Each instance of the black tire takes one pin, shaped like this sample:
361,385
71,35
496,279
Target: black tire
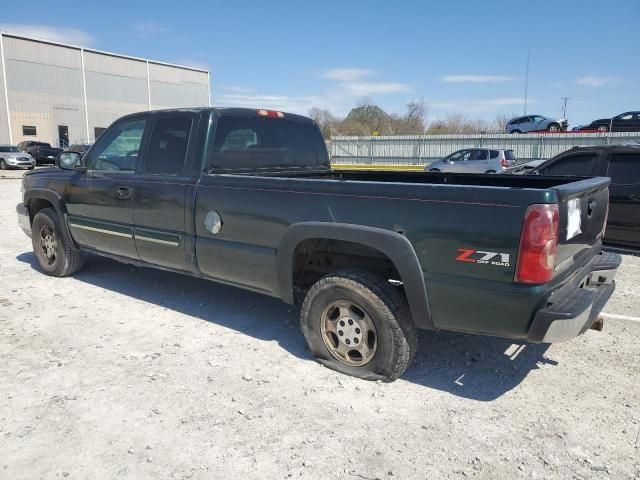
395,343
434,170
554,127
515,131
603,127
31,168
3,164
56,256
490,171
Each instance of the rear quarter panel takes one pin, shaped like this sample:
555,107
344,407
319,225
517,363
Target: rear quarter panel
439,221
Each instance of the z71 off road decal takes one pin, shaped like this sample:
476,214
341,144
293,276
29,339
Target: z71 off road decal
481,257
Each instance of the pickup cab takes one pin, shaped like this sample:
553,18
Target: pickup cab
247,198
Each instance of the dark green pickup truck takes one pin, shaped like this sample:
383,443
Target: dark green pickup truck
247,198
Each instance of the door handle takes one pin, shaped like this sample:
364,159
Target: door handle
123,192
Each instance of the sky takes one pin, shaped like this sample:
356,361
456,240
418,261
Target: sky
459,56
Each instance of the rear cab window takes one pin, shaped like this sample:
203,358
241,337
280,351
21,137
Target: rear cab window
580,165
253,143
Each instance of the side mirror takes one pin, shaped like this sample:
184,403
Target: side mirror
68,160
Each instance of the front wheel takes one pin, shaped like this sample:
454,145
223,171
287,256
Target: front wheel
56,256
490,171
603,128
515,131
360,325
434,170
554,127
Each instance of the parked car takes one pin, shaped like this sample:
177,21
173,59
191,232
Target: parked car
248,198
41,152
474,160
80,148
524,168
622,164
625,122
536,123
12,157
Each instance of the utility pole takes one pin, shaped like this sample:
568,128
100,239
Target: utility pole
526,81
564,106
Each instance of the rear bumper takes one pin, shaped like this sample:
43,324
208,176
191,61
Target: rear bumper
572,309
23,219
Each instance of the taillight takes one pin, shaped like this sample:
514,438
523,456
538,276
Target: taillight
270,113
538,244
504,162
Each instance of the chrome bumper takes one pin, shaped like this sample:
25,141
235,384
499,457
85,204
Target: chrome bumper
23,219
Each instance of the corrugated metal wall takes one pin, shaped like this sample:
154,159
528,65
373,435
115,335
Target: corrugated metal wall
423,149
44,86
45,89
174,87
115,87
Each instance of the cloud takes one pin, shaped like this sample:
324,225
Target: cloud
147,29
476,78
368,88
478,106
353,81
347,74
72,36
287,103
340,96
235,89
593,81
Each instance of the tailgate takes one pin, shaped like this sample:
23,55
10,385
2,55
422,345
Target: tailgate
583,208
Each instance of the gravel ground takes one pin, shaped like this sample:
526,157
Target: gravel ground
125,372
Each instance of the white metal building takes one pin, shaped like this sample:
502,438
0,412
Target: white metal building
59,93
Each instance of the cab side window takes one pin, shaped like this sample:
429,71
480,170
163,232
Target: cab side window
624,169
573,165
167,150
478,155
118,148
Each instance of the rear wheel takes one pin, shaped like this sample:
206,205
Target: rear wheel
516,131
360,325
553,127
434,170
603,128
56,256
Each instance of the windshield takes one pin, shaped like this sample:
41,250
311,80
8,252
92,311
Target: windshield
9,149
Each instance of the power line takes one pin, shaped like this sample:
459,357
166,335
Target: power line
564,106
526,81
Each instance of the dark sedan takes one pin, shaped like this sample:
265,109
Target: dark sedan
625,122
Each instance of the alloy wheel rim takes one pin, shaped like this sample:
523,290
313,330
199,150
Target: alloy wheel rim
48,244
349,333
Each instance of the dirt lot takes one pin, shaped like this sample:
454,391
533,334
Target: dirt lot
124,372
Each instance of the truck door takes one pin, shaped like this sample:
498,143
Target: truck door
99,201
161,194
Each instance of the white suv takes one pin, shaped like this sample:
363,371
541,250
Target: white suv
475,160
536,123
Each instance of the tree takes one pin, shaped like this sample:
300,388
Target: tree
325,119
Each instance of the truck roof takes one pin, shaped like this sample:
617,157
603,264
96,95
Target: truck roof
229,112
